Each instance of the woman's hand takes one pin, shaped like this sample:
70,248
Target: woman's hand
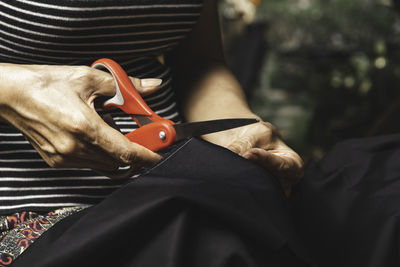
262,144
53,106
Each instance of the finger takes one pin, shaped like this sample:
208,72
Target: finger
121,149
273,163
95,140
285,164
115,144
104,85
91,158
241,146
146,86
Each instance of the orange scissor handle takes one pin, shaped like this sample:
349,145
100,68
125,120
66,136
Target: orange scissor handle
155,136
126,96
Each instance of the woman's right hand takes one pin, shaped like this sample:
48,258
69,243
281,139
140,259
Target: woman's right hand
53,106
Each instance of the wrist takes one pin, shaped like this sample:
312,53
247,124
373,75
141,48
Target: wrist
5,91
218,113
11,80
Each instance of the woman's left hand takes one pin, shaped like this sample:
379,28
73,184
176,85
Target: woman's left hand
262,143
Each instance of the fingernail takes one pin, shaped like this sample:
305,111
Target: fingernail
150,82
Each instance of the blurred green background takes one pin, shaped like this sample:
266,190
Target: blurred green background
320,70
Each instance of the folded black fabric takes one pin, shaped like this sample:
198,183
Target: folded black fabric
201,206
348,205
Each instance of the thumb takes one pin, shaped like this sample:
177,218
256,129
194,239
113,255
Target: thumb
146,86
103,84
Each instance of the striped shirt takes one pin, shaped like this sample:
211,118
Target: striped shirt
77,32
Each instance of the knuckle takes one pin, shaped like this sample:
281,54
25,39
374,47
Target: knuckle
81,127
76,126
128,157
241,145
67,147
236,149
83,76
97,76
271,129
47,149
84,71
57,161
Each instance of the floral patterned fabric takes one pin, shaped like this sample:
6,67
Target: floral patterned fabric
20,230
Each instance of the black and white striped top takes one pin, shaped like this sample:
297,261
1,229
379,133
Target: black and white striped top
77,32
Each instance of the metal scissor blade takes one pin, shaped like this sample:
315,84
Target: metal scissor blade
184,130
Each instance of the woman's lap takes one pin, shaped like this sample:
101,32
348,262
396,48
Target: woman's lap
202,206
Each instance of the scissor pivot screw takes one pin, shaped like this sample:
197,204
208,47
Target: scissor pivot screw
162,135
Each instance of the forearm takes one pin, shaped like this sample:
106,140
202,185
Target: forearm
207,90
216,94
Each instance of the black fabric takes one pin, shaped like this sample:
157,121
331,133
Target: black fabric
201,206
347,207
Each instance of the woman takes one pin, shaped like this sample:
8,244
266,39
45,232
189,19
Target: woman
48,94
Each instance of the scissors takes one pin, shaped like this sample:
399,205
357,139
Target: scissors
155,132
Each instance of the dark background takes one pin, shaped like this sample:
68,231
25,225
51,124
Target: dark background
320,70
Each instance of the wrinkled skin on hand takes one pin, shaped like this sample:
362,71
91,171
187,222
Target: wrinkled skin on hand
53,106
261,143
